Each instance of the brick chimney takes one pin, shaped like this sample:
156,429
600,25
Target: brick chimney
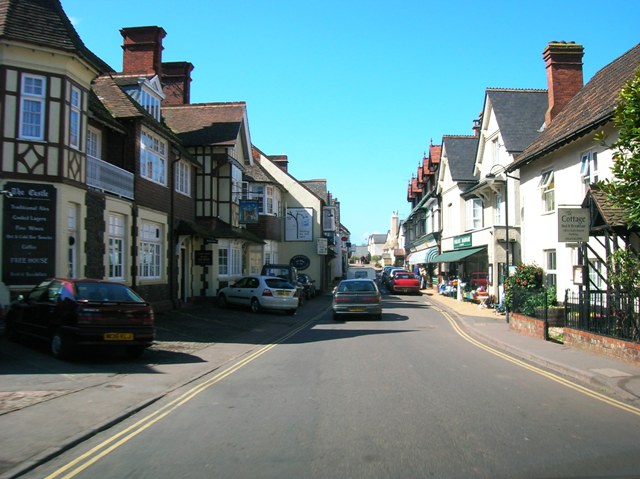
142,48
564,74
176,82
281,161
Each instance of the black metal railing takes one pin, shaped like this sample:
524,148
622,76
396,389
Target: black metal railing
613,314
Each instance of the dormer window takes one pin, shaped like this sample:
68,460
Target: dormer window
148,94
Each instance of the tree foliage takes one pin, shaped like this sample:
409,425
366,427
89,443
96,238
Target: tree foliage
624,188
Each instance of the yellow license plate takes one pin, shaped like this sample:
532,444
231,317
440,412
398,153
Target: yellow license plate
282,293
118,336
356,310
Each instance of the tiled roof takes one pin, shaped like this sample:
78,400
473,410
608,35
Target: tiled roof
101,114
44,22
317,187
461,152
119,104
520,115
604,213
122,106
589,109
206,123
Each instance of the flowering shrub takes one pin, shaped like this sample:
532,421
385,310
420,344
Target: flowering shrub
526,281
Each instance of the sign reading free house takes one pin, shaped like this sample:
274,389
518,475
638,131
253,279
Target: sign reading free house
573,225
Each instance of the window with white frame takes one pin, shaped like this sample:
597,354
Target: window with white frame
589,167
94,143
495,151
183,178
153,158
236,184
497,209
546,186
550,267
75,106
223,261
73,240
116,234
236,260
474,213
269,199
150,250
255,192
32,107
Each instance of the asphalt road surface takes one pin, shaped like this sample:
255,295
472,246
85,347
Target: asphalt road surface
406,397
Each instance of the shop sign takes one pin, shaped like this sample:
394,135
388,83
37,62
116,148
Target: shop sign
203,258
462,241
29,227
573,225
323,246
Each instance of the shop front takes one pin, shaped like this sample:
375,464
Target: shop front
464,272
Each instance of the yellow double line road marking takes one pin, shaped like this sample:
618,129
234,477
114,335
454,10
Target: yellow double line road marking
541,372
92,456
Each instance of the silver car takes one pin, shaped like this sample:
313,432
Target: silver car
261,292
357,297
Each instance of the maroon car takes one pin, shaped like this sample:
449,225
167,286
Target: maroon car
82,312
404,282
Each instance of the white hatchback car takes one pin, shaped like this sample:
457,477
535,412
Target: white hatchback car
261,292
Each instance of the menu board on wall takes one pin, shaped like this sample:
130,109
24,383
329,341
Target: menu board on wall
29,226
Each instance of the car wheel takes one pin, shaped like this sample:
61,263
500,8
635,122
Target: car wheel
378,316
255,305
60,346
291,312
222,300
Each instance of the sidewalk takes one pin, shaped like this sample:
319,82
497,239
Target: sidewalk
619,378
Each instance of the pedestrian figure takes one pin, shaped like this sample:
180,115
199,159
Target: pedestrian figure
423,277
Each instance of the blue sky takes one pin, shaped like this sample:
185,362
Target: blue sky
354,91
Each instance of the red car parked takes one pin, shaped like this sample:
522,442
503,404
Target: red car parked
404,282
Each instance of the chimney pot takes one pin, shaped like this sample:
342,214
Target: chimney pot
564,74
142,50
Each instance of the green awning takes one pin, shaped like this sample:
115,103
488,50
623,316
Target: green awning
456,255
423,256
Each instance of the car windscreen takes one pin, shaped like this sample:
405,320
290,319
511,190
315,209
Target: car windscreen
277,283
107,292
356,286
405,276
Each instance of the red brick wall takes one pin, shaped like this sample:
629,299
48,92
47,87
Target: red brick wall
526,325
604,345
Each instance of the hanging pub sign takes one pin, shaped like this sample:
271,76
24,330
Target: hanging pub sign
329,218
29,233
573,225
249,211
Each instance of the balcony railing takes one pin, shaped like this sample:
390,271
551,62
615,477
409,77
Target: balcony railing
106,177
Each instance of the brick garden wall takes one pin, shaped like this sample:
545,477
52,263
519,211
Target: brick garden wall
615,348
526,325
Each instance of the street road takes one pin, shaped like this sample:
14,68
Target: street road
408,396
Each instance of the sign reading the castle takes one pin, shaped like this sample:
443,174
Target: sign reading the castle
573,225
29,226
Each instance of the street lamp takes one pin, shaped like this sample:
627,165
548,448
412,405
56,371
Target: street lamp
502,170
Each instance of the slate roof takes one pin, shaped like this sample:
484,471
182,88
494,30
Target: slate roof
520,115
257,173
589,109
317,187
461,152
44,23
206,123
